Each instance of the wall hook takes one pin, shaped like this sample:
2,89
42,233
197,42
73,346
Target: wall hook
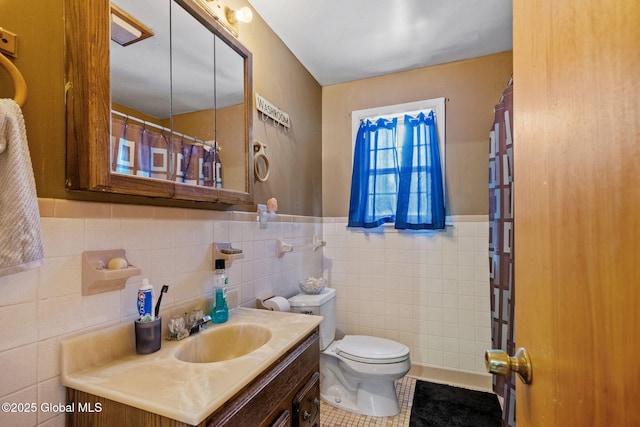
317,243
282,248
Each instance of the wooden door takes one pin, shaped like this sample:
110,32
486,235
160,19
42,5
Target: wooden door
577,207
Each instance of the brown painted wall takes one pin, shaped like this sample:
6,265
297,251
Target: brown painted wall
472,88
296,156
41,61
311,164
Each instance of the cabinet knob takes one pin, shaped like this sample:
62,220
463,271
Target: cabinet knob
316,406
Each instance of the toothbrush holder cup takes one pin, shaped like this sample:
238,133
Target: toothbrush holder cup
148,336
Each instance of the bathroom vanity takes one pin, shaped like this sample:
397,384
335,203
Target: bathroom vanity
276,384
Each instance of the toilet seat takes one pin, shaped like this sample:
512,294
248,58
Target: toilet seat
374,350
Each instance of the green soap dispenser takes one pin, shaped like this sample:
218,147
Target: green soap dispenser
220,310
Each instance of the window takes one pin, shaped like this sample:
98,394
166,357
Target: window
398,166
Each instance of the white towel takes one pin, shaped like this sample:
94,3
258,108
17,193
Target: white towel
20,237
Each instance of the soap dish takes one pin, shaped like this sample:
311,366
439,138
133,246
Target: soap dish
231,251
178,336
97,278
224,250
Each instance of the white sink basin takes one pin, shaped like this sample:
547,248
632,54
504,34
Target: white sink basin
223,343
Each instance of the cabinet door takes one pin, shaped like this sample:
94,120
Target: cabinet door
306,404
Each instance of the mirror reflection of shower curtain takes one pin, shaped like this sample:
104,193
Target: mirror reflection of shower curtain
206,176
501,245
127,151
118,127
158,143
152,153
143,156
130,150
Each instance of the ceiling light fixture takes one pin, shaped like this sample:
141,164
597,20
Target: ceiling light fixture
226,16
243,15
125,29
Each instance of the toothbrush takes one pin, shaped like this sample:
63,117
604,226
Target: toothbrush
164,290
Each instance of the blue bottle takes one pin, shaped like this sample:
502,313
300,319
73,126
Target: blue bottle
220,310
220,313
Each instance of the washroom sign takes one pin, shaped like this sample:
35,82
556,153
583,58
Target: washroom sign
268,109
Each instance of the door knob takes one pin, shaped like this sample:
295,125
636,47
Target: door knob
500,363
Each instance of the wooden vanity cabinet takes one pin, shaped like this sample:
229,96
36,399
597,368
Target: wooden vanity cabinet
285,394
264,401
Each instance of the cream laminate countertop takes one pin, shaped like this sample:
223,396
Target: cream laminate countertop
104,363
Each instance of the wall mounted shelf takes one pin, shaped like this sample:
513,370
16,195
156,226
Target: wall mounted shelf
224,250
97,278
282,248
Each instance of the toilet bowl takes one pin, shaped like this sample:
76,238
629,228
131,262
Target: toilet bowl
358,372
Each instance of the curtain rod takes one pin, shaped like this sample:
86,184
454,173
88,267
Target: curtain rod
398,115
164,129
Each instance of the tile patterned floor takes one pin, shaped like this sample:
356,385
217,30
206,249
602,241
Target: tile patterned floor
333,417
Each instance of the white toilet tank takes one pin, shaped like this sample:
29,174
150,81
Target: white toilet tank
322,304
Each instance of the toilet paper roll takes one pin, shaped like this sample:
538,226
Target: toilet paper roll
278,304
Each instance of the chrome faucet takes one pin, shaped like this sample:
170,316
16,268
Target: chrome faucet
191,323
199,324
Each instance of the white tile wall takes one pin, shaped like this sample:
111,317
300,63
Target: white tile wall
41,307
428,290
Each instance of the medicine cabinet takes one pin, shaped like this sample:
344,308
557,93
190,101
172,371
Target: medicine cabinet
151,118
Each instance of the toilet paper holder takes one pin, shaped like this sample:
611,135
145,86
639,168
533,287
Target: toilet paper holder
278,304
260,303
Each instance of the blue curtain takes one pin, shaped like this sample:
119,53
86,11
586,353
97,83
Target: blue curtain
420,192
374,182
412,195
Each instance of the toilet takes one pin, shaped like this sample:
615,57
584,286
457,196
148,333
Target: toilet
358,372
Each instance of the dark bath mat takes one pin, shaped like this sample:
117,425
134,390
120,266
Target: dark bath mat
441,405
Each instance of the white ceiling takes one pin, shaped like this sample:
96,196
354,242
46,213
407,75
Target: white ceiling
344,40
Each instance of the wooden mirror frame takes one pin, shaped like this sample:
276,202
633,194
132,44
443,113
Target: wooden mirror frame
88,109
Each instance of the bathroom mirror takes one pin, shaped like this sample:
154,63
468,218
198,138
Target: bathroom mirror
155,117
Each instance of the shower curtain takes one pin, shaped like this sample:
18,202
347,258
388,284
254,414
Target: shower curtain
501,245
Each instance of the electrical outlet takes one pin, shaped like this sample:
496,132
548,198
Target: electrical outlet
8,43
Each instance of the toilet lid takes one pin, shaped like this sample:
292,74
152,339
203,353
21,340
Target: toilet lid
366,349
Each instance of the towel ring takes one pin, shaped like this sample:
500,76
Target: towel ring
18,81
259,147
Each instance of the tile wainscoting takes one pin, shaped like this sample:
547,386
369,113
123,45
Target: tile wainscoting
427,290
41,307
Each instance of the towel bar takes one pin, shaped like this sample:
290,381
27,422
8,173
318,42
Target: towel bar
18,81
258,148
